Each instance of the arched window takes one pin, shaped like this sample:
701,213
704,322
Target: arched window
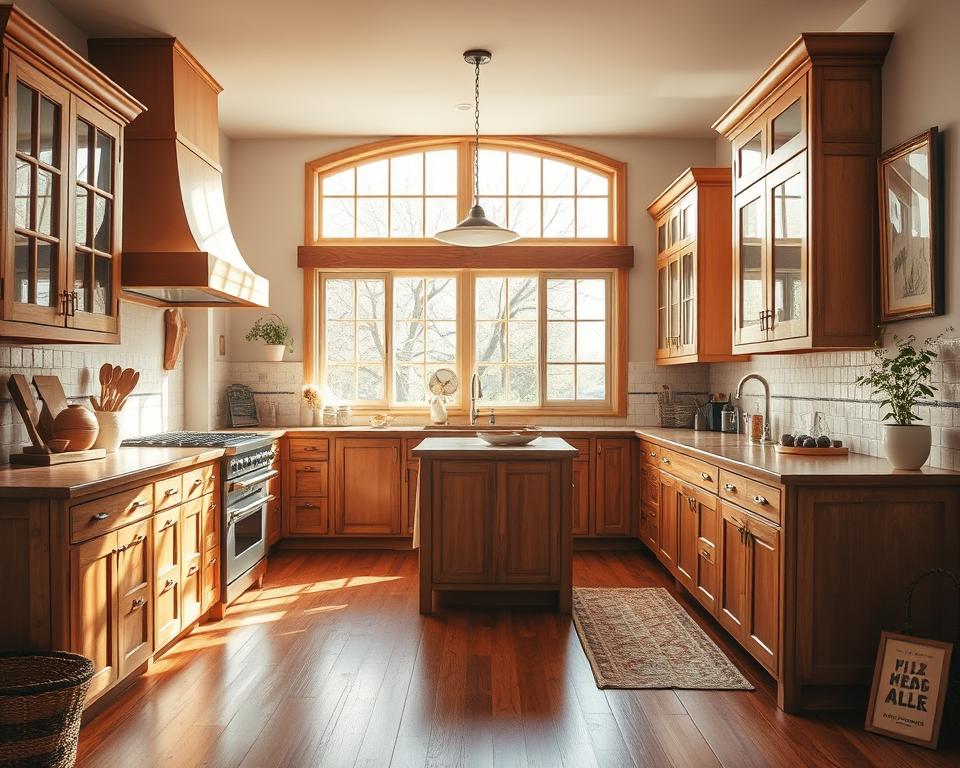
541,322
410,189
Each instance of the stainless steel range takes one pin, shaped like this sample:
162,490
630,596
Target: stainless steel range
246,470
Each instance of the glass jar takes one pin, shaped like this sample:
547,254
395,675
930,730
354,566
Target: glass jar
344,416
329,416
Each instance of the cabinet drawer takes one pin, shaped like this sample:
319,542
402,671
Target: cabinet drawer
692,470
308,448
650,453
308,478
582,444
308,517
650,487
199,482
168,492
94,518
763,500
211,523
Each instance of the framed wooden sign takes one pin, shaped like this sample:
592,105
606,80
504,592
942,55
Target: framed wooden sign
909,688
911,230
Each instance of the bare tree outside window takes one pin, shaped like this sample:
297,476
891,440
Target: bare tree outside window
506,340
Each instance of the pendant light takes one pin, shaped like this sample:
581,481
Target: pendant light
476,230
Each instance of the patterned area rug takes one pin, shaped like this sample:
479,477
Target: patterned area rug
642,638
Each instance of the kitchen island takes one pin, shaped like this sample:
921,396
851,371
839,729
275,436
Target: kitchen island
496,521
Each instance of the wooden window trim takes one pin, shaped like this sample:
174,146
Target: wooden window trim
614,405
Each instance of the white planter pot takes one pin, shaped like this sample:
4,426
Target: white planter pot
109,435
906,447
274,352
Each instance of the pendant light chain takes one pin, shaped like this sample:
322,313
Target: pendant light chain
476,128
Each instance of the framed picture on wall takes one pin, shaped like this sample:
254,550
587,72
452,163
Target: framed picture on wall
911,229
910,683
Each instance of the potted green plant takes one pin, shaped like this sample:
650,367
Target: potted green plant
275,335
902,378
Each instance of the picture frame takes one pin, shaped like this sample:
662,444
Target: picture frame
909,181
910,682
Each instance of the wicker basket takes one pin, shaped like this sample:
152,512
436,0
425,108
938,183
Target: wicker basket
41,701
675,414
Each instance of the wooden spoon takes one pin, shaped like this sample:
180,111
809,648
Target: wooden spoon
115,375
106,371
127,385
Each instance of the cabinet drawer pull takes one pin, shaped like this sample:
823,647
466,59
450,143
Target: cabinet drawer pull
309,469
705,475
121,548
167,524
193,570
137,504
212,506
705,553
198,481
653,454
692,501
651,514
665,460
138,603
730,487
100,516
168,585
759,500
213,561
311,448
171,492
309,505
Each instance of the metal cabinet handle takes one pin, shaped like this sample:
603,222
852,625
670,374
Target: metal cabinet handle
171,492
168,584
705,475
309,504
100,516
665,460
212,506
759,500
213,561
193,569
310,448
653,454
198,481
651,514
121,548
137,504
138,603
729,487
167,524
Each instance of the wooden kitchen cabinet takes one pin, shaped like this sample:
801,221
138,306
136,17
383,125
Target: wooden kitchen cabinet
367,500
308,517
411,475
697,521
94,609
667,530
614,470
749,594
649,506
805,141
191,561
275,507
167,554
62,160
528,502
694,268
464,499
581,497
134,596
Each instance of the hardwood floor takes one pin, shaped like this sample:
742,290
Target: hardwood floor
331,664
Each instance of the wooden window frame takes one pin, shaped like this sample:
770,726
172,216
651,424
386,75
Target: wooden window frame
615,359
568,256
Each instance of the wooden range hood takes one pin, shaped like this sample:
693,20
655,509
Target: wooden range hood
178,248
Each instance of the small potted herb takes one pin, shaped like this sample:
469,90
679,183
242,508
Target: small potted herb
902,379
275,335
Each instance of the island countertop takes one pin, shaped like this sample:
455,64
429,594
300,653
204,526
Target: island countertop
736,453
83,478
475,448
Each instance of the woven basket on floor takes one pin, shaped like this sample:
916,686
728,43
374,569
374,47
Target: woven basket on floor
41,701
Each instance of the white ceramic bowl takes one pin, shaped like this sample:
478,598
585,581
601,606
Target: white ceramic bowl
509,438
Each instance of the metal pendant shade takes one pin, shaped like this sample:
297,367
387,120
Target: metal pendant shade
476,231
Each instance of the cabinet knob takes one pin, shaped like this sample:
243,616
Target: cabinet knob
100,516
653,454
729,487
138,603
759,500
651,514
665,460
705,475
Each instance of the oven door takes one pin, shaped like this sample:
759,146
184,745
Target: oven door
246,535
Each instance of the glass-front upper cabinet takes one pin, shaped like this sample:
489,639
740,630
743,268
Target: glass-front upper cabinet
787,192
750,306
663,312
60,260
687,332
34,293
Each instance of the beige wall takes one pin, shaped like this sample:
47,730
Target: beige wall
265,195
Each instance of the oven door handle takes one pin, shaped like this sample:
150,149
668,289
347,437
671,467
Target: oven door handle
248,482
239,514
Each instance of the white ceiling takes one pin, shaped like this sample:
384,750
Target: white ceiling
563,67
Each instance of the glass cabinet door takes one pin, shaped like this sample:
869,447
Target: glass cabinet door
36,282
663,312
750,304
687,343
95,233
673,270
788,249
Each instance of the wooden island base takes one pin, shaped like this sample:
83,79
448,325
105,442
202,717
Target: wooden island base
496,523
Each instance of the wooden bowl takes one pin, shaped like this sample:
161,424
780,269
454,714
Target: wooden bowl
78,426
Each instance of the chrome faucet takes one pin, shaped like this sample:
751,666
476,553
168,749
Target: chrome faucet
766,402
476,393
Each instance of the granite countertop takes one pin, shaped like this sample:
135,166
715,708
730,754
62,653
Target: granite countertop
738,454
475,448
414,430
83,478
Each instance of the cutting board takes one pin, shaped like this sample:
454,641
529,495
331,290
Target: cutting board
27,407
52,459
54,400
